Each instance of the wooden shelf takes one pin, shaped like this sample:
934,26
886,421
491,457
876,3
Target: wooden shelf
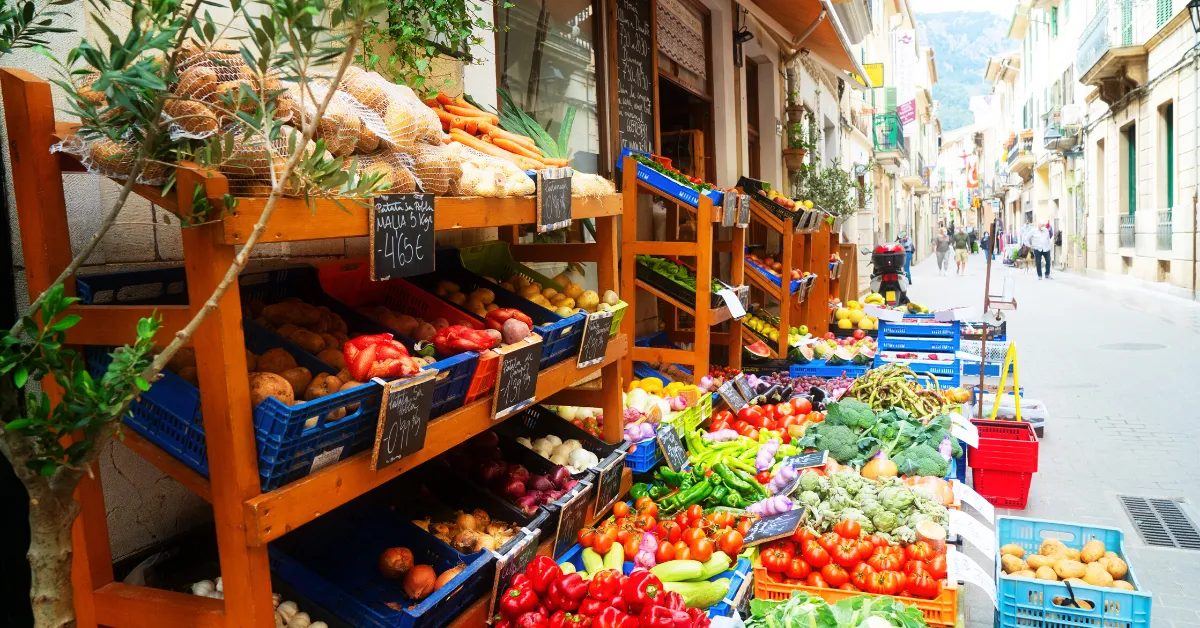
766,285
719,315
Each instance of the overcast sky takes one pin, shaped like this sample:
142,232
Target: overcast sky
999,7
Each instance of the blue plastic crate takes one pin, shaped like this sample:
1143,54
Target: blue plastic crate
992,370
937,330
941,369
343,576
820,368
644,457
775,279
560,336
667,185
1031,602
739,573
890,342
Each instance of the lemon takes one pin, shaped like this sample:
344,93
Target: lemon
842,313
845,324
865,324
856,316
854,305
808,204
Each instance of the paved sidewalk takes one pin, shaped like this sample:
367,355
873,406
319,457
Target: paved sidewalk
1123,419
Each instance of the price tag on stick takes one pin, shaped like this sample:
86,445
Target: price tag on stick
743,386
403,417
968,496
573,509
743,219
608,482
729,210
736,309
553,199
401,236
728,391
960,568
594,345
972,531
513,563
516,382
774,527
673,450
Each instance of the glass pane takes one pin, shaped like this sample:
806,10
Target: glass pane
547,64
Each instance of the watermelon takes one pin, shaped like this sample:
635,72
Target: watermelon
840,357
801,355
864,356
758,351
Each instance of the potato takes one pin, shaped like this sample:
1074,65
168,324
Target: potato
322,385
344,375
337,326
276,361
307,340
1122,584
1075,581
299,378
263,385
333,358
1012,563
331,342
1037,561
549,293
279,314
458,298
306,315
251,361
347,386
1067,568
1052,547
484,295
1045,573
186,356
1092,551
1111,554
189,375
324,321
287,329
1024,573
1072,553
1012,549
1117,568
1096,575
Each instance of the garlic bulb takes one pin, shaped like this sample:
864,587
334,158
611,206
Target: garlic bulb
219,584
287,610
279,621
276,599
299,620
318,624
203,588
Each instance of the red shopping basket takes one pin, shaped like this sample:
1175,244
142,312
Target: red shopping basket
1004,462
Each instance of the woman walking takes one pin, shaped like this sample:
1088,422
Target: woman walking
941,246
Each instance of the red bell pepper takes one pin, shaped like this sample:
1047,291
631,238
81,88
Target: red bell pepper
556,620
640,589
699,618
518,601
563,619
456,339
567,592
500,621
674,601
542,572
533,620
613,618
495,319
377,356
618,603
663,617
605,585
521,581
590,607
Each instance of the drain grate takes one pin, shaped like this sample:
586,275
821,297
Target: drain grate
1161,522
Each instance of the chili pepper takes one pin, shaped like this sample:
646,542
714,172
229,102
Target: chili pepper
659,491
613,618
566,592
731,480
688,481
377,355
670,477
658,617
517,601
703,490
605,585
698,472
733,500
532,620
639,490
591,607
640,589
542,572
752,482
719,493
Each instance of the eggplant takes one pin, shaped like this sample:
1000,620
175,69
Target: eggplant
759,400
787,391
762,388
775,394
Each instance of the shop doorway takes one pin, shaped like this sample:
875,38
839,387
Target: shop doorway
686,128
753,145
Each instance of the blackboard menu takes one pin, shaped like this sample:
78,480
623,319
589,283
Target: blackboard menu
608,483
594,345
743,386
553,199
401,236
573,517
805,461
635,75
673,450
774,527
403,417
513,563
516,383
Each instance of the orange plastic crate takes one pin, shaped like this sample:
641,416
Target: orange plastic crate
940,611
485,375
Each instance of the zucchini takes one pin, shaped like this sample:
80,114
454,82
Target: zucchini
592,561
614,559
700,594
718,563
569,568
678,570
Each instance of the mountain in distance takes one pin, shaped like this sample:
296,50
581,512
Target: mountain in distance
962,43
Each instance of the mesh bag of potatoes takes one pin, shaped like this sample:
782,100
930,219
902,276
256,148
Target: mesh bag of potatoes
255,160
394,167
347,127
487,176
406,119
1093,564
111,158
590,185
210,90
438,168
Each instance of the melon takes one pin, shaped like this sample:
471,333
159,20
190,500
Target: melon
864,356
801,355
758,350
840,357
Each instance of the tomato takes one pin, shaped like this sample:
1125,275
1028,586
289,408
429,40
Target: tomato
670,531
877,541
723,519
717,426
683,554
621,510
936,566
919,551
752,434
815,417
861,574
923,585
865,549
632,544
803,534
650,510
848,529
611,532
623,535
814,579
730,542
916,566
829,540
800,406
775,560
788,421
883,561
679,547
758,420
886,582
784,409
741,427
642,502
602,544
743,526
702,550
693,534
664,553
798,569
815,554
788,546
849,587
750,412
723,415
769,412
835,575
846,553
763,477
681,520
586,537
695,512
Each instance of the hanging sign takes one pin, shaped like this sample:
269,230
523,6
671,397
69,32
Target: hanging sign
743,219
774,527
729,210
972,531
513,563
728,391
553,199
594,345
401,236
572,518
608,483
403,417
635,75
673,450
516,383
960,568
967,495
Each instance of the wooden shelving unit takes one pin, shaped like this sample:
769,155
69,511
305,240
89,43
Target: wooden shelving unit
247,519
701,250
791,255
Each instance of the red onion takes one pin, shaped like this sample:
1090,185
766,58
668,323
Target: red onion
491,470
548,498
492,453
485,440
569,484
514,489
536,495
560,476
518,472
554,495
540,483
527,505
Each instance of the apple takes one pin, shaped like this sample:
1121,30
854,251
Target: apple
859,334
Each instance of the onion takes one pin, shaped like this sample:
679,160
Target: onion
569,484
419,582
447,576
553,495
482,542
541,483
496,528
495,453
442,528
560,476
536,495
485,440
490,471
482,517
527,505
518,472
514,489
422,523
394,562
465,540
465,521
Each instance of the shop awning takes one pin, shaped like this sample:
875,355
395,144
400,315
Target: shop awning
827,40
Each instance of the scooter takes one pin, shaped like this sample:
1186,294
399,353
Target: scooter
887,274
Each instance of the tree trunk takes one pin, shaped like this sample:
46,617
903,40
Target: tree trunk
52,512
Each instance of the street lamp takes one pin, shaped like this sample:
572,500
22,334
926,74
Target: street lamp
1194,10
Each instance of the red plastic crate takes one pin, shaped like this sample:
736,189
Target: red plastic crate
1005,446
1003,489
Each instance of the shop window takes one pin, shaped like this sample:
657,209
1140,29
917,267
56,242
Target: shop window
1166,156
546,56
1054,21
1128,170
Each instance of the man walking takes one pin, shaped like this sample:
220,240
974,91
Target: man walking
941,246
962,244
1040,242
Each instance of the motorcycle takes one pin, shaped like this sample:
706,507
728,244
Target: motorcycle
887,273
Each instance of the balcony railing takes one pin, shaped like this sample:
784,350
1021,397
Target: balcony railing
1094,41
1020,146
1128,235
1164,230
889,134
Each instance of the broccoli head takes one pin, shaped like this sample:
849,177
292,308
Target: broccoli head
840,441
922,460
851,413
956,449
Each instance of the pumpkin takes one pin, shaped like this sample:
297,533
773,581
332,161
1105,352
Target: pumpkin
941,487
880,467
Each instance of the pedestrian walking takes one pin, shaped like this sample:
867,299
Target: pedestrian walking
971,236
941,247
984,240
961,244
907,244
1040,242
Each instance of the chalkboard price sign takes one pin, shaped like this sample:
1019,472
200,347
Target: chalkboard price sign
808,460
743,386
513,563
774,527
572,517
743,211
673,450
516,383
403,417
608,484
594,345
401,236
635,74
729,392
729,211
553,199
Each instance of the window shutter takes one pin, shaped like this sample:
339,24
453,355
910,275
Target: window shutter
890,99
1054,19
1126,22
1163,13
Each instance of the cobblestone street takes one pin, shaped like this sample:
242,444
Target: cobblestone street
1117,370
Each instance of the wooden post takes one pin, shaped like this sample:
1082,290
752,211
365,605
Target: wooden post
610,376
629,209
788,255
737,277
704,275
228,417
817,307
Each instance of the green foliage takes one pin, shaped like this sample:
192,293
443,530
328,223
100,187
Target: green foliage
514,120
87,406
922,460
25,25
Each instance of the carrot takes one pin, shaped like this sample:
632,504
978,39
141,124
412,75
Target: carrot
466,139
472,126
473,113
556,163
496,131
465,104
432,103
444,115
514,147
444,99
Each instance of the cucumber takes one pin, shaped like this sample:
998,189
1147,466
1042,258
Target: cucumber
569,568
700,594
718,563
678,570
592,561
614,559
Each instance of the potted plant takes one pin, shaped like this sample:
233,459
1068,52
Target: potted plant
799,141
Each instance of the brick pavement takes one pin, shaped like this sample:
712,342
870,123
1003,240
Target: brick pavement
1121,421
